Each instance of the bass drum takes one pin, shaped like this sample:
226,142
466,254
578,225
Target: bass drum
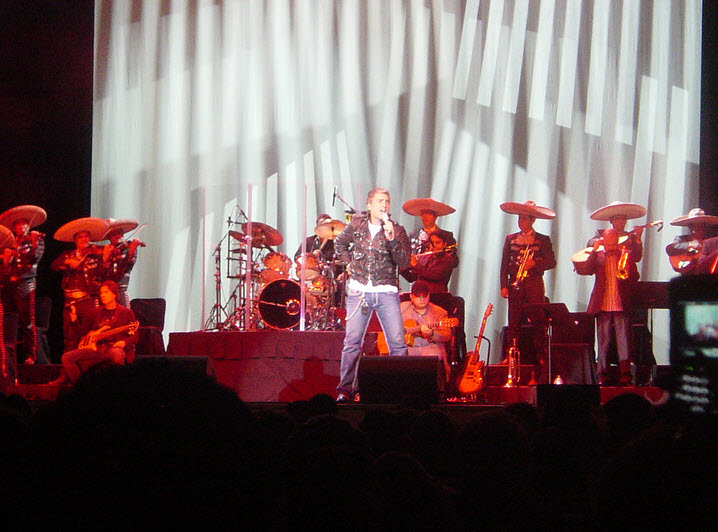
279,304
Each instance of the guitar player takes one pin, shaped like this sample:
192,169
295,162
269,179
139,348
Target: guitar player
426,327
96,347
685,250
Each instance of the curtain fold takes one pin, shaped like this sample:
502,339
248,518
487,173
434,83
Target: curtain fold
573,104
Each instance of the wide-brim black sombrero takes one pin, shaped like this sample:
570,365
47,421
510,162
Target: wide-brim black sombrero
418,205
97,227
32,213
528,208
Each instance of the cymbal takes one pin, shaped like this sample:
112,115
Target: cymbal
263,234
329,229
237,235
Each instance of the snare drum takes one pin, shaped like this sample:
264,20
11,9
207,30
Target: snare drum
311,263
277,266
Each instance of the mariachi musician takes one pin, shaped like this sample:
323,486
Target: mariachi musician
7,367
433,255
708,259
617,214
80,272
685,250
526,255
119,256
612,258
21,261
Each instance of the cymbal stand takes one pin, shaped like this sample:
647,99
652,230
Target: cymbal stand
215,319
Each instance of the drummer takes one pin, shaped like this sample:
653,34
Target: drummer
316,245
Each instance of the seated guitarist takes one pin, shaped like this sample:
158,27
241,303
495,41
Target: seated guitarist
96,347
685,250
425,332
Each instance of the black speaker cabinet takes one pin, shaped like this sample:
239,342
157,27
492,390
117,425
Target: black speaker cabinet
394,380
573,398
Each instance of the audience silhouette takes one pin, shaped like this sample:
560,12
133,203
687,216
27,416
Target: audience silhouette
154,444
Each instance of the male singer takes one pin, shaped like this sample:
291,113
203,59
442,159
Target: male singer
374,248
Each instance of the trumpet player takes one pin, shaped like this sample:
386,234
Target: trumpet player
610,302
526,256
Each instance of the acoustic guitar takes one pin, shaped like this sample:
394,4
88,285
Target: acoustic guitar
89,341
472,379
684,263
412,330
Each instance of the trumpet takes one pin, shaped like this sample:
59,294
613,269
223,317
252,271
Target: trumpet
622,270
523,271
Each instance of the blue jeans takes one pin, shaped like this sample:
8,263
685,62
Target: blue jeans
359,308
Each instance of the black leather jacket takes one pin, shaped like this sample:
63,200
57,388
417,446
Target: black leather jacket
375,259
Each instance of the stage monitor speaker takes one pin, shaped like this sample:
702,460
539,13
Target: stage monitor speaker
398,379
568,397
574,362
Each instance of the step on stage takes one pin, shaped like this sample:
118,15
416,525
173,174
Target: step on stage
277,366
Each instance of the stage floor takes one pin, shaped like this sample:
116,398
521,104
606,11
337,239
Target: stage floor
272,368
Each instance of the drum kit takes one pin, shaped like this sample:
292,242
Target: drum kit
267,295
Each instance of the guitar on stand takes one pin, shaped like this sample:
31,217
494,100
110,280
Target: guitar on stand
472,379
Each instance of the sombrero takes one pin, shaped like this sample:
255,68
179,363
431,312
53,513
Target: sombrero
6,238
417,205
528,208
97,228
695,216
122,226
628,211
32,213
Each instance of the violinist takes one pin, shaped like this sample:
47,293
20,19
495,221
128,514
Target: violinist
428,210
434,251
616,274
434,266
617,214
80,269
119,256
7,375
21,261
610,303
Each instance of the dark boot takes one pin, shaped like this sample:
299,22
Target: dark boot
625,378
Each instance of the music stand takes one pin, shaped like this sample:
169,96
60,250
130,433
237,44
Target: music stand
552,313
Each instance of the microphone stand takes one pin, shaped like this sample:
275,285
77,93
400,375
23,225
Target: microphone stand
351,210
